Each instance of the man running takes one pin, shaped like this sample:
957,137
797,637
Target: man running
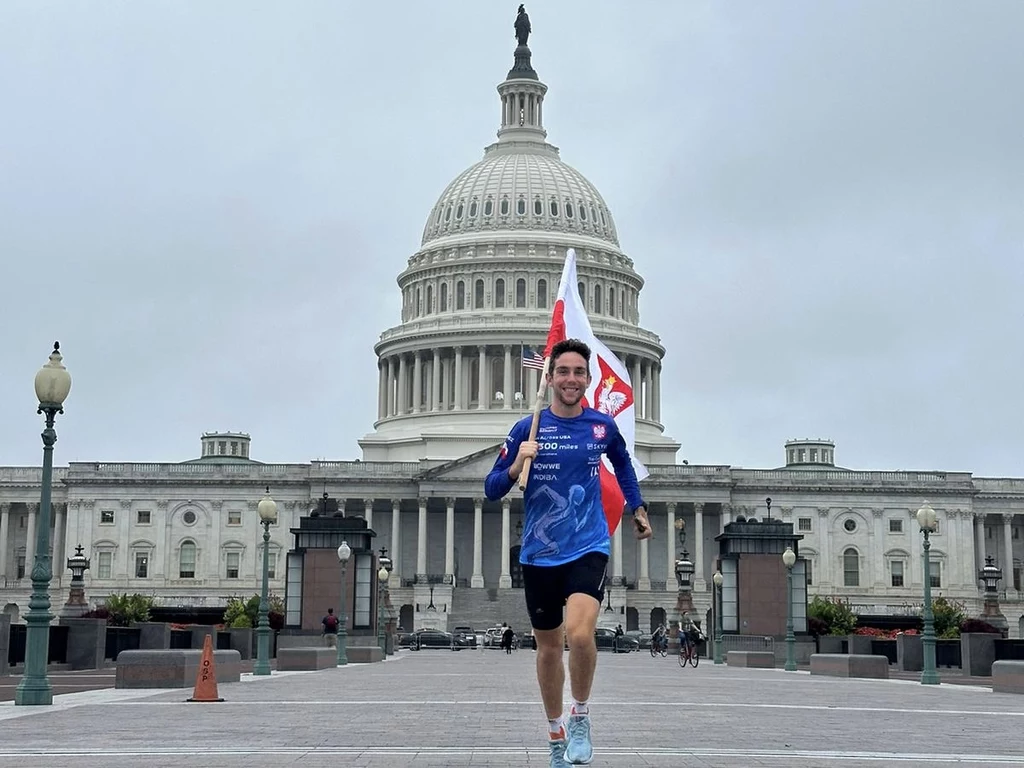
566,542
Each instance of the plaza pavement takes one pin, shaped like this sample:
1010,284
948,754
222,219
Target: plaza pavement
480,708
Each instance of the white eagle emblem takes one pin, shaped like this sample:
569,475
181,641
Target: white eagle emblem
599,431
608,400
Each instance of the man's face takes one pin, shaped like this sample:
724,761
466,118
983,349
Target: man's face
570,377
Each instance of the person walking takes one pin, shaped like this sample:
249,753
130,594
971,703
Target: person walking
566,541
330,625
507,637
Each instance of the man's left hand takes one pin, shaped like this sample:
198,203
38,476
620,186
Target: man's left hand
643,525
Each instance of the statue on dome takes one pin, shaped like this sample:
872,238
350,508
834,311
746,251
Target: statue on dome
522,25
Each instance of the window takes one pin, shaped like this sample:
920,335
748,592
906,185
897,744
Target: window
499,293
582,291
460,295
143,517
20,573
363,598
504,207
896,573
478,295
521,207
895,525
430,299
810,572
849,525
803,524
472,210
936,574
107,517
189,517
538,207
141,565
187,560
851,568
583,212
234,563
814,454
488,207
598,308
542,294
458,213
271,562
448,213
418,309
554,208
234,517
444,297
568,209
520,293
611,302
104,566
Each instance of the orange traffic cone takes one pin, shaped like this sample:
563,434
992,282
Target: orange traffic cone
206,678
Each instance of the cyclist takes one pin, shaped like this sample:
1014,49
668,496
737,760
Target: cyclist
659,638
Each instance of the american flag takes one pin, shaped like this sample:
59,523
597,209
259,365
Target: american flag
532,359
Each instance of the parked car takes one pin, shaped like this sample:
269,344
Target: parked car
434,638
607,640
464,637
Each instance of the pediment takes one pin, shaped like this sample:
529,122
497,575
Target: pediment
471,466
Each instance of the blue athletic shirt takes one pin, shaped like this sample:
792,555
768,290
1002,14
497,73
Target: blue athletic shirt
564,515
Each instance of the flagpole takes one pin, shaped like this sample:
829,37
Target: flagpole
537,403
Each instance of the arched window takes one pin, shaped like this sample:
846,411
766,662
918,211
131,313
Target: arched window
444,297
568,209
448,212
474,380
478,295
460,295
583,292
851,568
458,212
611,302
521,207
583,212
187,560
504,207
554,207
430,299
499,293
520,293
598,304
542,294
488,207
472,210
418,309
538,207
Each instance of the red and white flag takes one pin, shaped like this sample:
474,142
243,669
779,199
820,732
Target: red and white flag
610,390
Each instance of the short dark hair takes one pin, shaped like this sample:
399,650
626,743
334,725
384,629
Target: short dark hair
568,345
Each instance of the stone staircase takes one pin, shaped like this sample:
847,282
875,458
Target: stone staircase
489,607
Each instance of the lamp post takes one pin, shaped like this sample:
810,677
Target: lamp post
718,579
344,553
789,560
382,581
267,509
76,605
52,385
990,612
926,519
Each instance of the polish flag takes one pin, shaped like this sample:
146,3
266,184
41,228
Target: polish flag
610,389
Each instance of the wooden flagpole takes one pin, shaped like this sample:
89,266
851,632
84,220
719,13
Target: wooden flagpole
524,476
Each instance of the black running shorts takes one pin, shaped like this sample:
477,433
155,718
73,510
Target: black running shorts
547,587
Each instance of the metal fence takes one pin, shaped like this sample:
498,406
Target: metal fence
747,643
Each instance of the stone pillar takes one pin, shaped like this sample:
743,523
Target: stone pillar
382,389
507,386
59,560
969,571
639,398
878,548
449,541
483,396
656,393
417,383
617,552
30,536
403,385
368,512
725,517
700,583
823,538
505,580
670,540
459,383
421,543
435,382
5,525
478,544
644,577
1008,552
396,540
979,544
392,403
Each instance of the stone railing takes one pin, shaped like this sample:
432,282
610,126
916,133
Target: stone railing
79,471
359,469
470,321
999,485
836,477
30,475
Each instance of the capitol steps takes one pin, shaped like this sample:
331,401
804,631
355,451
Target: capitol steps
489,607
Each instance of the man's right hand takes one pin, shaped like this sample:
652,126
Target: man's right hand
527,450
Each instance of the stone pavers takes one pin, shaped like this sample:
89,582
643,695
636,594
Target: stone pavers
477,708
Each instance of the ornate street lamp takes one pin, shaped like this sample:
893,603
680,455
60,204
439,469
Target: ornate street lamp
344,553
684,576
52,385
990,612
926,519
382,582
718,579
78,564
267,509
789,560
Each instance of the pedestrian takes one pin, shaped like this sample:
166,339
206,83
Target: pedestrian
330,624
566,541
507,637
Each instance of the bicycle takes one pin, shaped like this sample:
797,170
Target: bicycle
688,650
659,646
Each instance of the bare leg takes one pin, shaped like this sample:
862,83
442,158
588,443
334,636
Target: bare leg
550,672
581,613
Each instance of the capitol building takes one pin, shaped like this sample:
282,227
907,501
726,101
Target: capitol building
453,376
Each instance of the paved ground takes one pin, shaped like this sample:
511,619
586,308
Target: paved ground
474,708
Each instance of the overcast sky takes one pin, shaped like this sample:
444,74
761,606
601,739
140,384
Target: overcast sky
208,205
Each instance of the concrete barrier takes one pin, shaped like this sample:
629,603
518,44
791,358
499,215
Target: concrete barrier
1008,676
172,668
364,654
759,659
306,659
850,665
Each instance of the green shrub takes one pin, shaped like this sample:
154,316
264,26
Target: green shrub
124,610
949,615
831,616
241,613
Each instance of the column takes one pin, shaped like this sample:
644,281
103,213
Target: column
392,405
417,383
382,390
5,523
421,544
1008,552
656,393
617,551
368,512
396,540
969,574
878,549
30,536
402,404
644,577
484,397
505,580
459,387
58,539
700,583
507,386
823,539
435,382
979,543
478,544
725,517
670,540
640,400
449,541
